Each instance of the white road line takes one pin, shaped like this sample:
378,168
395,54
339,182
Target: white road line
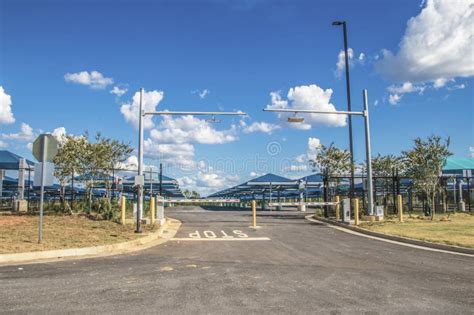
221,239
310,218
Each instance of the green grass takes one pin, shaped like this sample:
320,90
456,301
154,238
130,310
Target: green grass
457,230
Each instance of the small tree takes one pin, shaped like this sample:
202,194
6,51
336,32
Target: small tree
384,165
68,159
331,161
424,165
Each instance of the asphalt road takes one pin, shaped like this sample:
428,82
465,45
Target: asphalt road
303,268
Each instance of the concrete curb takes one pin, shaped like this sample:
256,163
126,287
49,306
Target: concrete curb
449,248
166,232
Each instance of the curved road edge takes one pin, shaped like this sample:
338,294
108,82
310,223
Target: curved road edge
403,241
165,233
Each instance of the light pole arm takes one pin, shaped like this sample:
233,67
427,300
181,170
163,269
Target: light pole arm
310,111
239,113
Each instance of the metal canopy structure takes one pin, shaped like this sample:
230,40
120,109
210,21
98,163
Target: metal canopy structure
458,166
257,188
170,186
11,161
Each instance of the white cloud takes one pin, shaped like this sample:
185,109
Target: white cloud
341,61
437,45
376,102
471,151
93,79
313,146
180,155
309,97
406,87
60,134
255,174
302,160
263,127
189,129
118,91
29,146
206,182
6,114
3,144
150,102
202,94
457,87
296,168
439,83
394,99
26,134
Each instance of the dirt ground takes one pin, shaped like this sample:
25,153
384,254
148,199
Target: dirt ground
19,233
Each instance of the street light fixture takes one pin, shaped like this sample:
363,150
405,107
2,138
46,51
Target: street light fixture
295,119
368,149
349,108
141,115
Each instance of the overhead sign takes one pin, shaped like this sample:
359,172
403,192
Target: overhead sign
45,148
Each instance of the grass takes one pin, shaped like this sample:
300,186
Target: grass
19,233
457,230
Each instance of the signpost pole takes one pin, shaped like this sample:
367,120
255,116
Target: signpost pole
140,165
45,148
43,171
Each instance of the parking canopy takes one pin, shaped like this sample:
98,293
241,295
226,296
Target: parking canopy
457,165
257,186
11,161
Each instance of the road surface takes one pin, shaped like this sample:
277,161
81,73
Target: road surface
288,266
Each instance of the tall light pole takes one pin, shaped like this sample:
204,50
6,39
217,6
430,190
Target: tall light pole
140,181
349,107
368,149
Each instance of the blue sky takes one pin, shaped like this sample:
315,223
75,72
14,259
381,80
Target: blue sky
239,52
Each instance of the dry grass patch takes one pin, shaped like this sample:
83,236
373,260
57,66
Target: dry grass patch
19,233
457,229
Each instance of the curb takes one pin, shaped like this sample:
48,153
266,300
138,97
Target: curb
411,241
166,232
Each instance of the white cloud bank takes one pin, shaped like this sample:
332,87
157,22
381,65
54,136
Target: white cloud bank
93,79
6,114
437,45
189,129
310,97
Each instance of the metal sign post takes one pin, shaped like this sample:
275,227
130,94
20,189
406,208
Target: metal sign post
45,149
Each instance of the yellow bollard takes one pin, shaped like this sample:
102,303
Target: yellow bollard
356,211
400,208
123,206
337,208
152,210
254,214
